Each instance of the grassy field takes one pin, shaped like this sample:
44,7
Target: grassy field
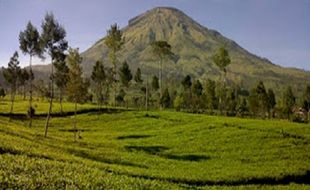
153,150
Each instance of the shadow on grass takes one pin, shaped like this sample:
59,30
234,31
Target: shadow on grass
133,137
187,157
284,180
147,149
23,116
17,152
85,155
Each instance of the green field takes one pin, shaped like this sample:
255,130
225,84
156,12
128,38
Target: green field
153,150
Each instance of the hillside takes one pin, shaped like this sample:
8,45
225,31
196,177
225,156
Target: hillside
194,45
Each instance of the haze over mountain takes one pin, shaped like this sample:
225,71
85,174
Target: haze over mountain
194,45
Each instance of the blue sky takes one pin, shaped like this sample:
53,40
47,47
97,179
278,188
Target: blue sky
276,29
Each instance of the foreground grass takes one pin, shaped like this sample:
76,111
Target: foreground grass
155,150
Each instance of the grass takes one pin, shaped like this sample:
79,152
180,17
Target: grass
154,150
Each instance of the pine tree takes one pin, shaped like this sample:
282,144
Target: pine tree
114,41
187,90
76,86
155,83
30,43
11,74
53,40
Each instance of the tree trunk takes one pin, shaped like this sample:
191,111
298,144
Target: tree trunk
30,91
146,94
50,103
12,103
60,100
74,122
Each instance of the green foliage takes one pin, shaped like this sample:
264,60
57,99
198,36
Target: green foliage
2,93
178,103
77,86
99,77
211,99
221,59
187,82
288,102
30,42
53,37
125,74
138,76
155,83
165,100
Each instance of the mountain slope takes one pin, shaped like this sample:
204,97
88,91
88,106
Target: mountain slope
194,46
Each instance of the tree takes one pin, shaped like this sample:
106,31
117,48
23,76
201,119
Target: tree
76,86
306,101
22,79
138,76
253,102
221,59
11,74
30,43
197,94
2,93
125,77
262,98
53,40
165,100
99,77
162,50
187,93
114,41
211,100
155,83
61,76
125,74
288,102
271,102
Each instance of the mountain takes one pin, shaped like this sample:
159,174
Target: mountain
194,45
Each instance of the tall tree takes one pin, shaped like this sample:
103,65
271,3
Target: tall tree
30,43
61,76
99,77
11,74
114,41
53,40
288,102
221,59
162,50
125,77
76,86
